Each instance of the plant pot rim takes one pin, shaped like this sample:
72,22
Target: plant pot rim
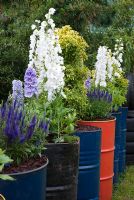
62,143
103,121
90,131
29,171
116,112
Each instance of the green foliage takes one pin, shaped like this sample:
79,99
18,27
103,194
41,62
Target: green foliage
73,45
74,51
120,25
62,118
118,88
4,159
99,109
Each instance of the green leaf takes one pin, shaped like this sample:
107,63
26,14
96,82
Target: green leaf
6,177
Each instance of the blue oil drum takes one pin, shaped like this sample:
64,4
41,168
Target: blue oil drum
89,164
122,150
117,115
29,185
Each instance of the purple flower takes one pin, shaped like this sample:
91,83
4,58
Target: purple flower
44,126
3,110
88,83
99,95
30,82
17,92
31,128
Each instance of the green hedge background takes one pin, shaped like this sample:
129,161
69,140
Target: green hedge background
98,21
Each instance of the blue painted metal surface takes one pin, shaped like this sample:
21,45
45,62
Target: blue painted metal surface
122,150
27,186
89,165
117,145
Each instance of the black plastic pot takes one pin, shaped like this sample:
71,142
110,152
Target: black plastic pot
62,171
130,95
30,185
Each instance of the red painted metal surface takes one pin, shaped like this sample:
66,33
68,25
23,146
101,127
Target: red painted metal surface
107,155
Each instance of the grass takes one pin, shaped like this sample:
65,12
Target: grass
125,188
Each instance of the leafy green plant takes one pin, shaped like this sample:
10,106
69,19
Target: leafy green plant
100,104
61,118
22,136
74,52
4,159
118,89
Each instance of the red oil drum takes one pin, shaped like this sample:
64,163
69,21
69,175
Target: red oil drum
107,155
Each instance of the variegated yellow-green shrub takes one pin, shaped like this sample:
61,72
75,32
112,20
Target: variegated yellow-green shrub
74,53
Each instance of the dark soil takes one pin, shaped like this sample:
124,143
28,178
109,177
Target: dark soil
86,128
104,119
31,164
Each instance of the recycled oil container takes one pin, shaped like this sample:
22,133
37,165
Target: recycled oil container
62,171
122,150
117,115
89,163
107,155
29,185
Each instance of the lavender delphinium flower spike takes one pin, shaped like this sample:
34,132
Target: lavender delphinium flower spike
30,82
17,94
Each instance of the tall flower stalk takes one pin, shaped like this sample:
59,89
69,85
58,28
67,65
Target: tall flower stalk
18,93
45,56
30,83
108,64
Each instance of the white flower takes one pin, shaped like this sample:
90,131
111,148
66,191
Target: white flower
45,56
103,83
37,21
47,16
100,66
117,74
33,27
51,11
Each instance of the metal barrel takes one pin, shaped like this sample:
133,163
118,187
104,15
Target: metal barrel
122,150
117,115
89,164
107,156
29,185
62,171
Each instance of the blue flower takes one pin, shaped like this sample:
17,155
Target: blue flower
30,82
17,94
88,83
99,95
